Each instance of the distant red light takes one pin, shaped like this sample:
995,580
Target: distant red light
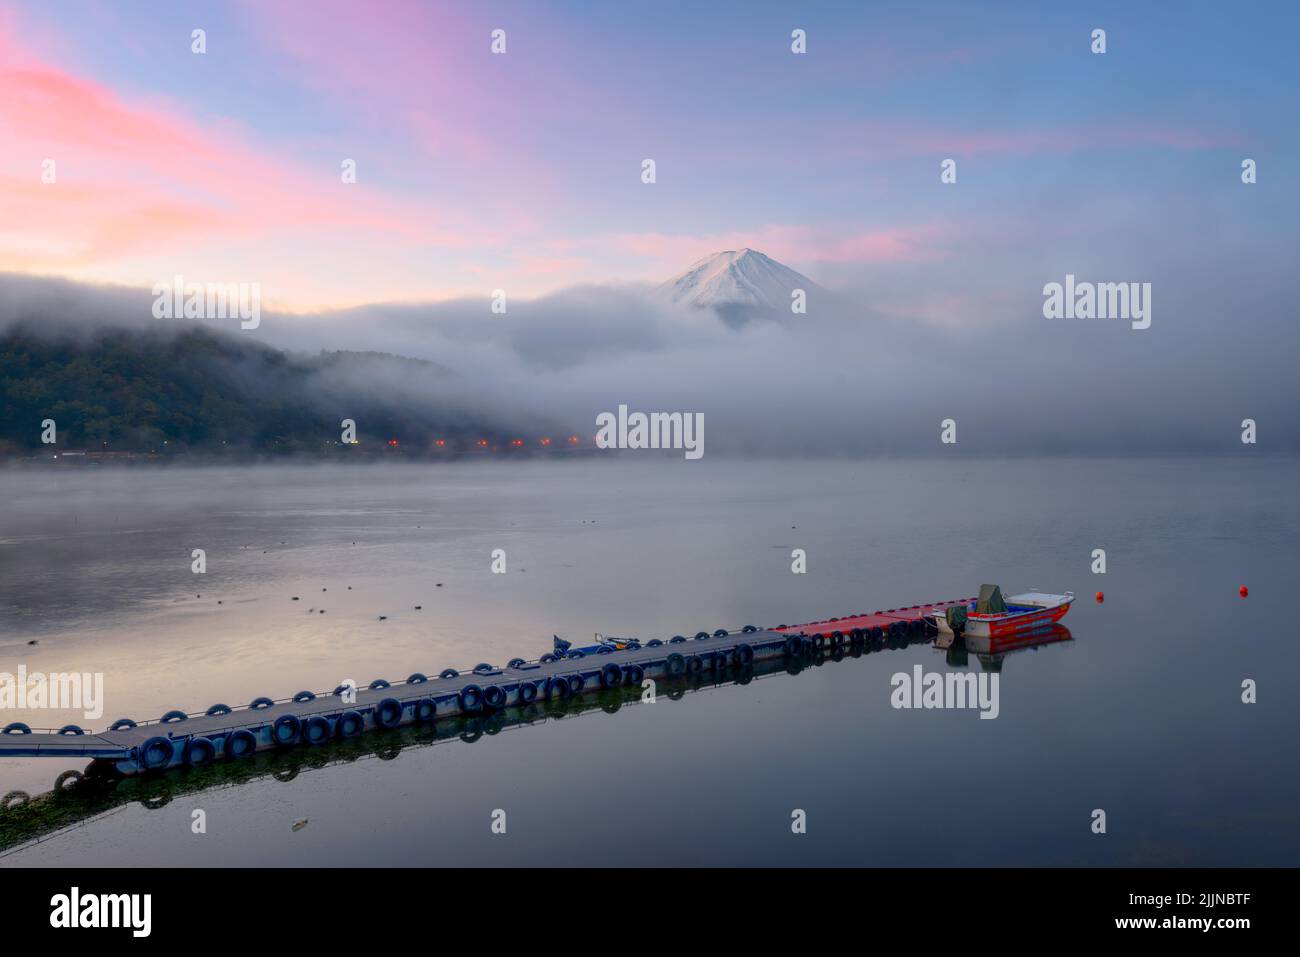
440,443
573,440
516,442
393,442
545,441
483,443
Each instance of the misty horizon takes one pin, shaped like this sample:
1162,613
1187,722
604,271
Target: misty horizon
839,380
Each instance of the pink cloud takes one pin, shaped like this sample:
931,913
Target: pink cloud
552,265
70,224
835,141
788,243
423,76
408,68
134,178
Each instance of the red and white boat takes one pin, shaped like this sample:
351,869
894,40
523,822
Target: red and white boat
1018,615
1028,612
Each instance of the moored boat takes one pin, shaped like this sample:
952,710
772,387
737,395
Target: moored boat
991,616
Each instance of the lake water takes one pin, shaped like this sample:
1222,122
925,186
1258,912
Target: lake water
1139,714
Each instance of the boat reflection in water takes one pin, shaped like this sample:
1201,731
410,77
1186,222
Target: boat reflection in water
992,651
79,797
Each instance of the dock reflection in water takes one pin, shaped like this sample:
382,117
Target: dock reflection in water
79,797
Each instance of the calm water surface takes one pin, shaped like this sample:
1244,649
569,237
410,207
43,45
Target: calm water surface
1139,714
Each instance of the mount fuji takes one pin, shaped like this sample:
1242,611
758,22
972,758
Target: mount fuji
740,285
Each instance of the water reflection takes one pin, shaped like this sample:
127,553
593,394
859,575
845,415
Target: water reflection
990,652
79,797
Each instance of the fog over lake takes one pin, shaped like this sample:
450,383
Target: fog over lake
844,380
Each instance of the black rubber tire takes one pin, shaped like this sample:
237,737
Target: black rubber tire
199,751
240,743
388,713
471,699
156,753
286,730
349,725
316,730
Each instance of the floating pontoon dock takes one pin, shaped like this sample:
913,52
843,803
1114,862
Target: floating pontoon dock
77,798
179,738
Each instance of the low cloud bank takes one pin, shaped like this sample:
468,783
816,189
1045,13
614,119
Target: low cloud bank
846,379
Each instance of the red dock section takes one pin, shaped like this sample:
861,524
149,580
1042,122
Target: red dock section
876,619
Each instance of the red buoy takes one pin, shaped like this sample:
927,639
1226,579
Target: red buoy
1100,598
1243,591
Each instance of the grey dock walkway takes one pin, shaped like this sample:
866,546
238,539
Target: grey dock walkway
77,798
313,719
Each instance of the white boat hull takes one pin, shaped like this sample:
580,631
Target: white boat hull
1041,612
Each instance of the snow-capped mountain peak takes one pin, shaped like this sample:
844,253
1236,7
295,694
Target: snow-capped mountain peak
736,278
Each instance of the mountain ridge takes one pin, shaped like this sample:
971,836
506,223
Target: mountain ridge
735,277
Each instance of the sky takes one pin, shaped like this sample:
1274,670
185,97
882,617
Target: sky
522,171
